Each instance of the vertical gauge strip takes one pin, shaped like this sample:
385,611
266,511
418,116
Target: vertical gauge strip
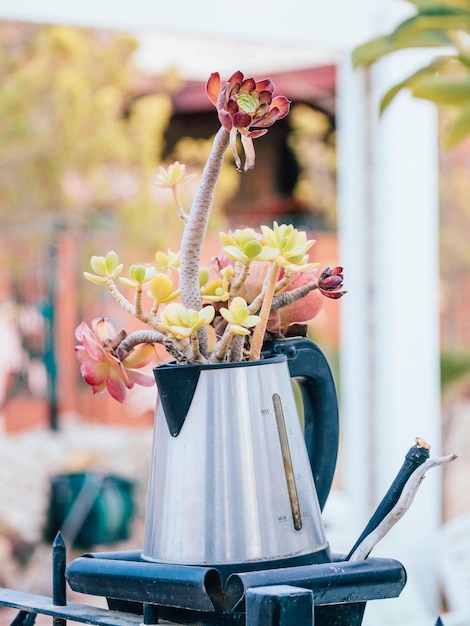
287,460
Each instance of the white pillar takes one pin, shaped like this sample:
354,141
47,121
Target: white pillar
354,174
388,186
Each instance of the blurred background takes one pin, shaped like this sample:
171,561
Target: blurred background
91,103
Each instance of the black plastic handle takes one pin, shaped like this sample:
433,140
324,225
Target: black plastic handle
308,365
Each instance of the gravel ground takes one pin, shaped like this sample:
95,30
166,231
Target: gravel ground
30,459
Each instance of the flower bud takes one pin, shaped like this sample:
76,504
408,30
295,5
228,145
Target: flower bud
330,282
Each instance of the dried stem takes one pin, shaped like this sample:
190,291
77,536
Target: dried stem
120,299
179,207
260,329
288,297
416,456
403,504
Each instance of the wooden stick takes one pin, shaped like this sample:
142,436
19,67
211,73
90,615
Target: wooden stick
260,329
400,508
415,456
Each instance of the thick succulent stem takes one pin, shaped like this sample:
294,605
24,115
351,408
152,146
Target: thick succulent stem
255,306
196,228
235,352
180,350
223,345
120,299
197,357
240,278
283,283
288,297
138,302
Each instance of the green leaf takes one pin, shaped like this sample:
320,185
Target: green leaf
456,21
442,91
390,95
424,5
443,8
463,57
373,50
428,70
459,130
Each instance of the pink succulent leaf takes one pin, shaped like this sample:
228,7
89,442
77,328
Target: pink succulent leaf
233,145
331,282
231,107
222,99
267,120
94,373
263,110
81,330
116,387
333,295
249,149
255,281
241,120
281,103
249,84
94,349
265,85
103,328
226,120
303,310
265,98
140,356
213,87
81,354
236,77
100,366
140,378
256,133
97,389
116,366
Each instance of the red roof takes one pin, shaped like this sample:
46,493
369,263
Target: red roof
316,85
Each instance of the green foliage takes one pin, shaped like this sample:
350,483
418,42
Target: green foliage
446,80
74,140
455,368
313,143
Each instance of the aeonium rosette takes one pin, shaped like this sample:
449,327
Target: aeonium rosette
263,280
102,368
246,107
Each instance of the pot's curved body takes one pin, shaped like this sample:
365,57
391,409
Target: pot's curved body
231,479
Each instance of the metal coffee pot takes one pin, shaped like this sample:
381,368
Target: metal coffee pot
236,481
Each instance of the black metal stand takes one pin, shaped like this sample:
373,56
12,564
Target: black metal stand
327,594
